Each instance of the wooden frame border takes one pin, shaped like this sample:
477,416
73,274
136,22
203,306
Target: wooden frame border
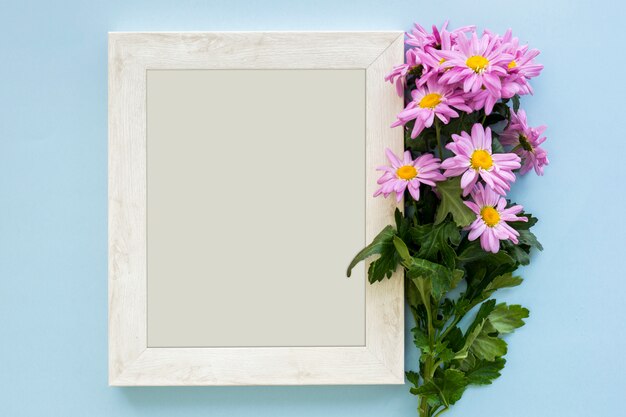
131,362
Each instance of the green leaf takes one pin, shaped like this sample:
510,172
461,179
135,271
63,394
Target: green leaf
413,377
474,252
483,312
476,328
506,318
502,281
520,254
496,146
411,293
452,203
516,103
483,372
436,242
526,237
382,267
420,339
454,338
442,278
402,249
448,386
443,353
424,288
382,245
402,223
488,347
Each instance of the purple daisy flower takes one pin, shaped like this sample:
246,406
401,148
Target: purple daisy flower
474,158
408,173
399,73
491,217
525,141
476,63
428,101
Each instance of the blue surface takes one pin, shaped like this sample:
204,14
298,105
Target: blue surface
568,360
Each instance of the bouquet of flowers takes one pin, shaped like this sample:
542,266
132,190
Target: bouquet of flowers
459,239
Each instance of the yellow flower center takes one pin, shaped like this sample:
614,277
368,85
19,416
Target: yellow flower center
490,216
477,62
430,100
512,64
481,159
442,60
406,172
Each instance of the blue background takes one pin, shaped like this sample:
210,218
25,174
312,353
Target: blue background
568,360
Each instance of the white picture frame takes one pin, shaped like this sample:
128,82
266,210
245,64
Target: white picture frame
131,361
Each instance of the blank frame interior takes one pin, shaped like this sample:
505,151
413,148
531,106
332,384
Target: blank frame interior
248,172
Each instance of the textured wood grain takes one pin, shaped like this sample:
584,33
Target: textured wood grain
380,361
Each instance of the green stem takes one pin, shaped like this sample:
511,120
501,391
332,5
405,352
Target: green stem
456,320
429,369
438,133
443,410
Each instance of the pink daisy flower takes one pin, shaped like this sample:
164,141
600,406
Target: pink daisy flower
408,173
432,62
399,73
421,38
491,217
443,40
428,101
525,142
476,63
520,69
483,99
474,159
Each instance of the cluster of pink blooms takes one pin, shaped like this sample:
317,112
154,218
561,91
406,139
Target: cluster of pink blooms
460,71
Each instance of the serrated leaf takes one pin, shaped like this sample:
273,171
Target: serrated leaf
502,281
382,267
413,377
420,339
506,318
382,242
445,355
448,386
452,203
484,372
436,242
